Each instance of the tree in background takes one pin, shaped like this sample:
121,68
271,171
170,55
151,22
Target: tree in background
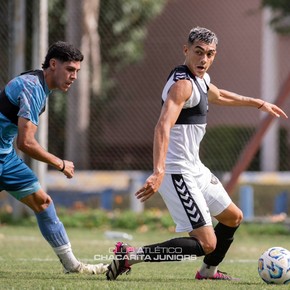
281,19
110,34
122,28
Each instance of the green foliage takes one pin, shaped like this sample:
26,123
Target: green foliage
260,229
57,20
85,219
149,220
225,143
281,18
125,220
122,28
91,218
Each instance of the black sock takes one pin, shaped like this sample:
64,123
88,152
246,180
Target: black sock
225,236
173,250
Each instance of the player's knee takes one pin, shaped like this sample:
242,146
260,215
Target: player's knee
209,246
240,217
37,201
43,205
41,201
236,219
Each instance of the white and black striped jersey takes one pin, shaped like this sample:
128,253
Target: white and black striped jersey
190,127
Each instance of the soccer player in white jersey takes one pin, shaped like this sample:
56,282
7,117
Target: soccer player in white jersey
189,189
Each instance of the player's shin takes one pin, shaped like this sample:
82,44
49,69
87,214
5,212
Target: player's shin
225,237
173,250
54,232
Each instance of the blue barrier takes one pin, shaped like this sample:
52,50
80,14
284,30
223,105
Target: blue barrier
247,202
281,203
107,198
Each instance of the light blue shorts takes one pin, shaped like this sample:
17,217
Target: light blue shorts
16,177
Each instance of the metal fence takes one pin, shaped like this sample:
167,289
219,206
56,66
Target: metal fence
106,121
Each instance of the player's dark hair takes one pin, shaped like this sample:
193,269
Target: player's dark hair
202,34
62,51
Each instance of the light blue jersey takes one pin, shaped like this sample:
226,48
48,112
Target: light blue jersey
27,93
24,96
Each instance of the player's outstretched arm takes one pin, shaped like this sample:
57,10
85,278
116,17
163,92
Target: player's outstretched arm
227,98
273,110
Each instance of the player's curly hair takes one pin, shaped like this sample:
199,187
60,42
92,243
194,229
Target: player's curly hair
62,51
202,34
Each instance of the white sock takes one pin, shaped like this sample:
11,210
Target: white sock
207,271
67,258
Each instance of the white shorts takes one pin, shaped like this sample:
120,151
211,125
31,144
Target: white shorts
190,206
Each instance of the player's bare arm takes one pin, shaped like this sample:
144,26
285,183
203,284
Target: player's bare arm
27,143
177,96
227,98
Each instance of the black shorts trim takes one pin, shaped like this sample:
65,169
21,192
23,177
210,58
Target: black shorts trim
192,211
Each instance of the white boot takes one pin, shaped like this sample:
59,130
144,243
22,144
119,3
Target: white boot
93,269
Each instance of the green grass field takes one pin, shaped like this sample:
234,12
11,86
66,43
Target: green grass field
27,262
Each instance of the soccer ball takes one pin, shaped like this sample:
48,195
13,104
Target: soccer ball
274,266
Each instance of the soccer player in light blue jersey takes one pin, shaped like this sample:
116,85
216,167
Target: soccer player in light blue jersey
21,102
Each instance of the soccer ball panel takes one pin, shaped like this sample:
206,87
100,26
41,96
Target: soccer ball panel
274,266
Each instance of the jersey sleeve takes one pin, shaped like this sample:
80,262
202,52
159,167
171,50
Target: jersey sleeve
207,79
181,73
29,105
27,93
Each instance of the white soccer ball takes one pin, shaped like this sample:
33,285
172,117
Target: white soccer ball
274,266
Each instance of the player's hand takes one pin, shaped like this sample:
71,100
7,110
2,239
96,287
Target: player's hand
69,169
150,187
273,110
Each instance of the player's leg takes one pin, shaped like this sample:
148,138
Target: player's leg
52,228
169,251
229,217
189,211
55,234
19,180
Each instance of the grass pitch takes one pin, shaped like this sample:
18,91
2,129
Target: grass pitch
27,262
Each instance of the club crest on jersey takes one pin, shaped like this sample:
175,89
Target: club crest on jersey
214,179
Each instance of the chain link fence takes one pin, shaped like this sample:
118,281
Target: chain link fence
106,121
